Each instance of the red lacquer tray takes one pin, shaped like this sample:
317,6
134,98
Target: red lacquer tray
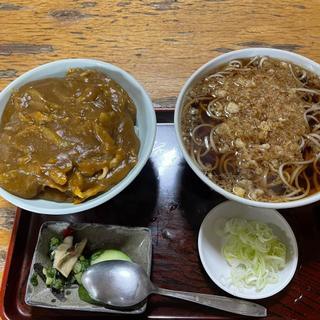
172,201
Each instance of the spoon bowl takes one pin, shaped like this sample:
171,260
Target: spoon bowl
117,283
124,284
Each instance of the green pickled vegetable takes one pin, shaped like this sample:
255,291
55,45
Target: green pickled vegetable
106,255
55,280
84,296
54,243
57,284
77,267
78,277
81,266
34,279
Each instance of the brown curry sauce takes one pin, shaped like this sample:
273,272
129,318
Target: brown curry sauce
67,139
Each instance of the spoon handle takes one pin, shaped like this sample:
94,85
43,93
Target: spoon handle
219,302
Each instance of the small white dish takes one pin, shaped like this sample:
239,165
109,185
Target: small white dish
210,245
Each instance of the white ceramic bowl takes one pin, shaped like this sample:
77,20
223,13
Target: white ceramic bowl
216,266
204,70
146,129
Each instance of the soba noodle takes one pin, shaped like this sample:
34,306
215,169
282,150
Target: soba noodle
253,127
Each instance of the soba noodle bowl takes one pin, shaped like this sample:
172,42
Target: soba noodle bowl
253,127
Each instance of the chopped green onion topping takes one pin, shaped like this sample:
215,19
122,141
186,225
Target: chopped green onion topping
254,253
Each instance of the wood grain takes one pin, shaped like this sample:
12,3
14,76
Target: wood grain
159,42
7,212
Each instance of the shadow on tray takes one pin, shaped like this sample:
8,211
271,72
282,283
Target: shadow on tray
133,206
196,199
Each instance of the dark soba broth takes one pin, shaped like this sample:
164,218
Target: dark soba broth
253,127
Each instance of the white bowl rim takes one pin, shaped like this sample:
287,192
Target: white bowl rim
30,204
242,53
258,295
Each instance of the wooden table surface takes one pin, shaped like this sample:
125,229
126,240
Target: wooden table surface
160,42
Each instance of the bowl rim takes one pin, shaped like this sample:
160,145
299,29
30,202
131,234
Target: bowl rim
31,204
242,53
282,284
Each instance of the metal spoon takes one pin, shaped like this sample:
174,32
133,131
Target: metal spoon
124,284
